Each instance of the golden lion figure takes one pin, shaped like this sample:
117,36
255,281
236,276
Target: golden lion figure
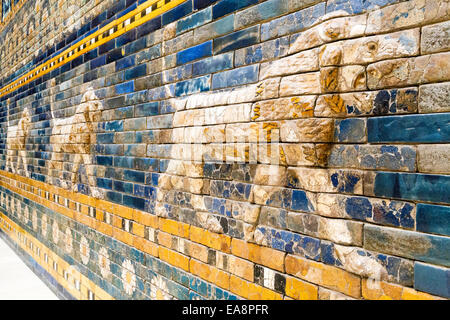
76,135
16,142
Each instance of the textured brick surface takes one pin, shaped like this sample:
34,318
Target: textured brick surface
223,149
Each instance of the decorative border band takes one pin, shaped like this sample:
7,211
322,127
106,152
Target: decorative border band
78,285
143,13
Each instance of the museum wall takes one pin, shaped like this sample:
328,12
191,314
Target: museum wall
232,149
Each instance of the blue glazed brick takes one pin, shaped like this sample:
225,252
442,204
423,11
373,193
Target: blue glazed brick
213,64
126,38
193,86
412,186
118,6
392,158
126,87
136,72
236,77
114,149
432,279
236,40
98,62
291,242
195,20
177,13
264,51
76,62
113,103
359,208
90,76
104,183
148,27
231,190
149,54
397,269
411,128
200,4
225,7
114,55
263,11
194,53
106,47
131,5
147,109
300,201
98,19
356,6
350,130
114,196
433,219
133,149
152,178
134,202
114,125
136,46
176,74
136,97
292,23
104,160
408,244
125,63
121,186
124,162
135,176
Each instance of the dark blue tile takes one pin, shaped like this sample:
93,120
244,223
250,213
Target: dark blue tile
98,19
121,186
114,196
90,76
413,186
194,53
148,27
125,63
236,40
422,128
350,130
432,279
114,55
104,183
135,176
200,4
225,7
177,13
134,202
195,20
147,109
88,56
235,77
136,72
356,6
136,46
147,164
433,219
126,38
300,201
106,47
118,6
126,87
104,160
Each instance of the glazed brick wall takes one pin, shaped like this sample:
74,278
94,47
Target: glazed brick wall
278,149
